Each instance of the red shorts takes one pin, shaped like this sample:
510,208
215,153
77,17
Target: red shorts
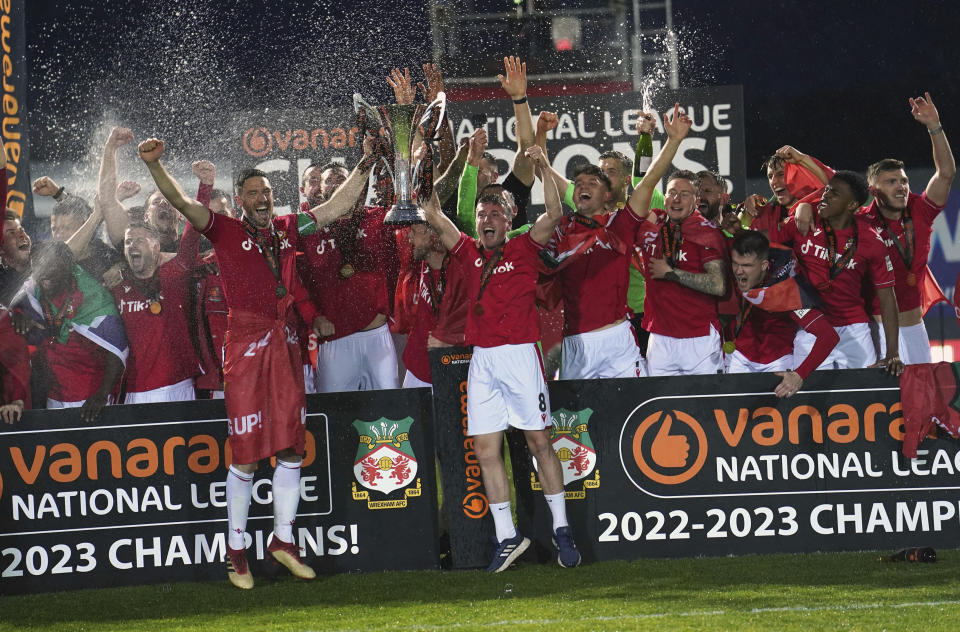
263,387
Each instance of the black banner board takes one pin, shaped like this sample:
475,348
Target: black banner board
140,496
285,143
716,465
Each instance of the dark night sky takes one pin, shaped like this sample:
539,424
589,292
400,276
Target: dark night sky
829,77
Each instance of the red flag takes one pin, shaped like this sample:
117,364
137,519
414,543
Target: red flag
801,182
930,292
928,393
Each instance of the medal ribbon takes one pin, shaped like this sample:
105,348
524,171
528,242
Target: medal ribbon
271,250
745,308
671,238
54,316
437,288
850,248
150,288
906,249
488,267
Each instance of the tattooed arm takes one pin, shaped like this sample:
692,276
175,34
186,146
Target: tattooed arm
711,281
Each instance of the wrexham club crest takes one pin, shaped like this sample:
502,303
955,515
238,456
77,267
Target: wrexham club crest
572,443
385,462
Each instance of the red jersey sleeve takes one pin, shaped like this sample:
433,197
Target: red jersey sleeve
814,322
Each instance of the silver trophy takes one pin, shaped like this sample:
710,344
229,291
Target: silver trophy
405,126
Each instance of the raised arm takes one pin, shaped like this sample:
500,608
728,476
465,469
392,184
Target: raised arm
78,241
515,85
676,129
938,189
114,215
467,193
543,228
347,194
446,185
449,235
793,156
195,212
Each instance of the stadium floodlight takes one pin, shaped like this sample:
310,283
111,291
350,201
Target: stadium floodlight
566,32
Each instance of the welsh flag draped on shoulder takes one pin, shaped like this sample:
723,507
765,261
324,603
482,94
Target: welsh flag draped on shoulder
783,290
96,317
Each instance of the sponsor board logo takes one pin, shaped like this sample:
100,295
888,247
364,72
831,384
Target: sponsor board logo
455,358
738,444
385,462
571,440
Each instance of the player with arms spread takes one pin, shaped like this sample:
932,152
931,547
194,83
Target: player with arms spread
263,374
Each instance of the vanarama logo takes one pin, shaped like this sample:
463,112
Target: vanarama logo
260,141
455,358
738,443
669,447
385,461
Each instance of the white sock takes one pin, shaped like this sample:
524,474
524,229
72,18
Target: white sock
286,498
503,521
558,509
239,492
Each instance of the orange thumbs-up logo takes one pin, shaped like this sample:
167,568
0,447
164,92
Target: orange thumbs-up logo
670,448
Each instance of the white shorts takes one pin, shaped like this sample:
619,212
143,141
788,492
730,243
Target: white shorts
506,387
309,379
363,361
915,344
738,363
854,351
685,356
412,381
182,391
609,352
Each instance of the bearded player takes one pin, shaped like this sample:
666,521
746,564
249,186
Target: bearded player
265,298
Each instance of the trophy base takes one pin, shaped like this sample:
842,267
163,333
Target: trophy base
405,214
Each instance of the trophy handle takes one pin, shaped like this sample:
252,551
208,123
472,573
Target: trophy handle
433,116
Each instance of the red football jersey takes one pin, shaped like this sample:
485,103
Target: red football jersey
351,303
447,322
594,285
671,309
842,296
248,283
508,311
161,349
922,213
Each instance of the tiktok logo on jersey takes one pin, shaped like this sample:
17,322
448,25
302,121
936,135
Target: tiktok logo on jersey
130,307
820,252
325,245
506,266
247,244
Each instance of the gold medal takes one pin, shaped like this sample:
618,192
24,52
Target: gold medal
729,347
155,307
346,271
280,291
911,279
478,309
